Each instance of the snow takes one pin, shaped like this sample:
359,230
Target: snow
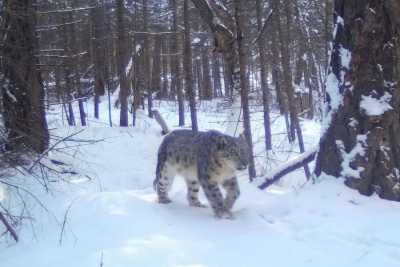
2,193
128,66
336,99
348,158
196,40
376,106
114,220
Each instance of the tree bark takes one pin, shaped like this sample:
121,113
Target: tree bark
244,86
216,74
206,81
146,48
122,55
156,69
176,81
264,81
97,17
23,92
361,140
189,67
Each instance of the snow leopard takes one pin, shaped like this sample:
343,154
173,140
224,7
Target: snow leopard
206,160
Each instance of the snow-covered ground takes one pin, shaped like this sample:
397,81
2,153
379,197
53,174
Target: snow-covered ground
113,219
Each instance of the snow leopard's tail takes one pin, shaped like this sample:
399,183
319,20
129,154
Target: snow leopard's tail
161,159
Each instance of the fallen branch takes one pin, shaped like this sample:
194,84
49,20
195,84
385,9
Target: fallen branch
287,168
8,226
161,121
52,147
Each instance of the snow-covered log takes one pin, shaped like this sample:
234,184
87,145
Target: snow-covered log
160,120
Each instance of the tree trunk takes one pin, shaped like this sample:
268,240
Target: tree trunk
74,63
156,75
216,74
285,57
206,82
244,86
361,141
276,71
188,67
264,81
235,57
122,52
23,93
176,82
164,91
147,70
97,17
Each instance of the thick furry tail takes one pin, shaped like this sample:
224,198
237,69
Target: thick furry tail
160,164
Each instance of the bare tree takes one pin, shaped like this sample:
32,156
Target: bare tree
263,75
122,55
99,53
188,66
23,93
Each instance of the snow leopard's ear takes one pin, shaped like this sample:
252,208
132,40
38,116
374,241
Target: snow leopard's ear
221,142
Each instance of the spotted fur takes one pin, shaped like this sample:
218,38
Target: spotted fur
206,160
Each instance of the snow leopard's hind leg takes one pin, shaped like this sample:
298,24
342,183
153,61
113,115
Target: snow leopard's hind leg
193,188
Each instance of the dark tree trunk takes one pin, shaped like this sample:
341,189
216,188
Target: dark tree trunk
97,17
216,74
188,67
206,82
285,57
199,78
227,81
276,71
23,93
156,75
244,86
122,52
164,48
176,82
361,141
146,48
264,81
67,67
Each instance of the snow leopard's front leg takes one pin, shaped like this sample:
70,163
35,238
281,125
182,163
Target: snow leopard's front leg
232,192
212,191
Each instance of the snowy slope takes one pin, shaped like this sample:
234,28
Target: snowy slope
114,220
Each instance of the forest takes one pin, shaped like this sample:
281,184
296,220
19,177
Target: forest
279,118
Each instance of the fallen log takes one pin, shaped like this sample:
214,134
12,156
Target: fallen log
287,168
160,120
